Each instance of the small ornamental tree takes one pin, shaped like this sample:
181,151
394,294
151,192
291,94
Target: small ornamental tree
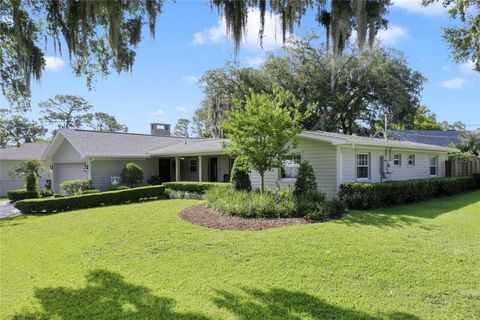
29,170
306,183
263,130
241,175
132,174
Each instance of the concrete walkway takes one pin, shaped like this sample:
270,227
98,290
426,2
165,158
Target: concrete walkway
8,210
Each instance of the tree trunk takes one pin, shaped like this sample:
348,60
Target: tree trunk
262,186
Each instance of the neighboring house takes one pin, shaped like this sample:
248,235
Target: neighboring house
435,137
12,157
335,158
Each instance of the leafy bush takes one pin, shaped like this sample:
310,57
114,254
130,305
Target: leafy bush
45,193
21,194
90,191
42,206
241,175
120,187
306,183
375,195
132,174
177,194
75,187
154,180
198,187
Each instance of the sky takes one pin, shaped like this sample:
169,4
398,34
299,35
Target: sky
191,39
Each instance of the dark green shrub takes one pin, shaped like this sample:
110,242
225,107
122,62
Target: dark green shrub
115,188
306,183
198,187
45,193
132,174
74,187
31,183
476,179
59,195
90,191
241,175
48,184
42,206
365,195
154,180
21,194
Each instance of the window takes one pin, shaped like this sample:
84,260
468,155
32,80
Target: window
411,160
193,165
433,165
397,160
363,166
290,165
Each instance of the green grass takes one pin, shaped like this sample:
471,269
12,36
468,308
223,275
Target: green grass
141,261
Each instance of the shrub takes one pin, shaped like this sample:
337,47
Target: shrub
374,195
154,180
176,194
306,182
29,170
21,194
120,187
45,193
241,175
132,174
59,195
198,187
90,191
31,183
476,179
42,206
75,187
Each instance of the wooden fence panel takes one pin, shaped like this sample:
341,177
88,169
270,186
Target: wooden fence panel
459,168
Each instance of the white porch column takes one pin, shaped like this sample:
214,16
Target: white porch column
177,168
200,168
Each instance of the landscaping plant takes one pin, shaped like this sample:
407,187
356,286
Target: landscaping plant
132,174
29,170
241,175
76,187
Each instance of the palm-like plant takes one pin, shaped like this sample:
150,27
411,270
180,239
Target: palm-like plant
470,142
29,170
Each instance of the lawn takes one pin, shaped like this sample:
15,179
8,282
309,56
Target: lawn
141,261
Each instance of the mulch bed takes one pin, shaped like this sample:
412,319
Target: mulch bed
211,218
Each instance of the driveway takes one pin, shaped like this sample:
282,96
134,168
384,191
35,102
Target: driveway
7,210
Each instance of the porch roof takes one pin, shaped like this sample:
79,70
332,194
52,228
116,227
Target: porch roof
192,148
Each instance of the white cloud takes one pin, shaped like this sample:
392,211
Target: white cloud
272,36
415,6
159,113
467,67
191,79
253,61
392,35
54,63
454,83
181,109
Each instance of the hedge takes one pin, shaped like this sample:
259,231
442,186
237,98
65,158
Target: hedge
198,187
366,195
21,194
41,206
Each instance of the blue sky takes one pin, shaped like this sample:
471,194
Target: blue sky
190,39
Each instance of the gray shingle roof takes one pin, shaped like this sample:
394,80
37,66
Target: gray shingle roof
192,147
113,144
24,152
435,137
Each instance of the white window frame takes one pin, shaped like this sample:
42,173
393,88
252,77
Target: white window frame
399,160
194,165
412,155
430,166
293,154
362,166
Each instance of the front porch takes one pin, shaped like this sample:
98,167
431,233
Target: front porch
204,168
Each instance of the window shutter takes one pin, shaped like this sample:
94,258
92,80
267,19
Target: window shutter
400,159
369,166
413,160
382,169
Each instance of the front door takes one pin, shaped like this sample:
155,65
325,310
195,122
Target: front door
164,170
213,169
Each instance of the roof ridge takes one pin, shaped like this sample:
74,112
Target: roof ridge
133,133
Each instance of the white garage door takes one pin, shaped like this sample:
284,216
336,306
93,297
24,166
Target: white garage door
67,171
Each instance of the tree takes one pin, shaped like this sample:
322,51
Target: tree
425,119
102,36
132,174
240,178
102,121
29,170
200,123
65,111
182,128
464,41
470,142
306,183
263,131
17,130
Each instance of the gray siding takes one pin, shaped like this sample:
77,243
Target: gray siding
322,157
421,170
7,182
66,153
103,170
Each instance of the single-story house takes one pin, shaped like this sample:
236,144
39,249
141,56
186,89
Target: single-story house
12,157
335,158
435,137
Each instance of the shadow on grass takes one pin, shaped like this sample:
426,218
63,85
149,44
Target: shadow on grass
106,296
290,305
410,214
12,221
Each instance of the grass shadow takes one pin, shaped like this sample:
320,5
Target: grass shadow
410,214
12,221
282,304
106,296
